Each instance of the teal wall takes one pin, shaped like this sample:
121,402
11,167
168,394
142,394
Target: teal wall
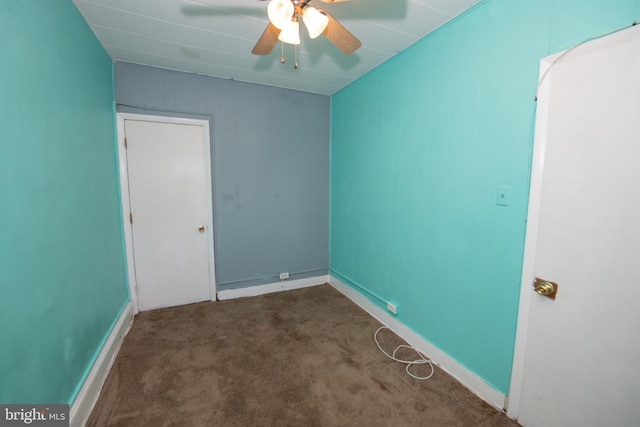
419,147
61,248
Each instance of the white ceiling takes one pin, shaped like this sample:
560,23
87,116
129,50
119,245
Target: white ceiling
215,37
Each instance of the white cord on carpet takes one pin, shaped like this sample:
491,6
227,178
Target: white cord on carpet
422,360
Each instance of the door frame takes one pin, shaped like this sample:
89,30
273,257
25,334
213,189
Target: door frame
531,235
125,201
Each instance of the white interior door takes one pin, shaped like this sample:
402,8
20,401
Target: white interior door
576,361
170,203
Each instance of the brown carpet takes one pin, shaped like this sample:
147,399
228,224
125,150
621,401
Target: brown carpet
299,358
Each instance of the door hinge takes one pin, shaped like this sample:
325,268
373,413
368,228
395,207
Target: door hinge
125,144
130,218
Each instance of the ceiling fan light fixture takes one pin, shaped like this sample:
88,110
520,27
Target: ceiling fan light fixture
280,13
290,33
315,21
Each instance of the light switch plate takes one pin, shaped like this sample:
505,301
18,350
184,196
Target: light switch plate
504,195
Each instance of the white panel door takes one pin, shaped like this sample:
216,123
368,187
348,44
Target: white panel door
580,366
171,205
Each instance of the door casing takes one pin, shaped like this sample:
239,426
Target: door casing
125,203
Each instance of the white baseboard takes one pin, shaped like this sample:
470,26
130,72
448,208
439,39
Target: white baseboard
286,285
437,356
90,390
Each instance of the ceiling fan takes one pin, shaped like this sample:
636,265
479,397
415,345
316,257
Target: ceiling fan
284,26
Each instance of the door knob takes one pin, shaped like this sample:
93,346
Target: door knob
545,288
201,228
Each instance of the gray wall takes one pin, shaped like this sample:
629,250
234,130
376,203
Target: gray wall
270,161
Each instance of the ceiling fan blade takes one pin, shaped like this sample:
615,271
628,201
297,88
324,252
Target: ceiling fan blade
267,41
334,1
340,36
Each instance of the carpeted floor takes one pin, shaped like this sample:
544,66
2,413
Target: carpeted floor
298,358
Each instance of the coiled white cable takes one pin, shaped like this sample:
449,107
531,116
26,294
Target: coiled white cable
422,359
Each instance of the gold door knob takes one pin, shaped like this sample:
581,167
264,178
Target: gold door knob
201,229
545,288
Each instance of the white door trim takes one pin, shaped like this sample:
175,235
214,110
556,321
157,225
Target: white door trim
531,237
124,195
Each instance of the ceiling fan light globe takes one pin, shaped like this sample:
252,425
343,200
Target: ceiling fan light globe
315,21
290,33
280,12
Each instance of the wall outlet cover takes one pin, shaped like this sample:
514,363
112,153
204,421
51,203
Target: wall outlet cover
392,308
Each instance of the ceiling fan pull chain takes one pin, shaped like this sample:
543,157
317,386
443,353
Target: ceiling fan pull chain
282,56
295,57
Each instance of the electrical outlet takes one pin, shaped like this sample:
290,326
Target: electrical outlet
284,276
392,308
